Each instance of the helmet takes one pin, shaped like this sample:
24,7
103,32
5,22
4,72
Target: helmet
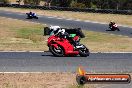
54,29
111,21
62,31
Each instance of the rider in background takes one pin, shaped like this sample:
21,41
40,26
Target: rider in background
30,13
111,24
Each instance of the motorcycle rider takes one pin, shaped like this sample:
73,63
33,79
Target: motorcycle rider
32,14
56,30
113,24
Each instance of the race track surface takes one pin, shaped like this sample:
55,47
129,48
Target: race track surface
126,31
45,62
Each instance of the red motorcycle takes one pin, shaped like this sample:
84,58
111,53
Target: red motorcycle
114,27
62,47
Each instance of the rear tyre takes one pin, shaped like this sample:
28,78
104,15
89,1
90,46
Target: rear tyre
58,52
84,52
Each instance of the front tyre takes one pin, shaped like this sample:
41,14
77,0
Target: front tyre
117,29
36,17
84,52
58,52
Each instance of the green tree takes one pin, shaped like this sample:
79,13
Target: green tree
4,1
33,2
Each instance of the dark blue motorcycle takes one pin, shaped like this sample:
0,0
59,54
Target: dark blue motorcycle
31,15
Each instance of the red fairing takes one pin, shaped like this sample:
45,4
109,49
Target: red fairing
68,48
76,38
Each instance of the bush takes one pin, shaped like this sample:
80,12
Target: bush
93,5
5,1
33,2
77,5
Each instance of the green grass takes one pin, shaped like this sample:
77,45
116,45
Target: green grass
34,34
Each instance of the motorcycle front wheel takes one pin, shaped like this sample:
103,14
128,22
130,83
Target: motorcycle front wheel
84,52
117,29
58,52
36,17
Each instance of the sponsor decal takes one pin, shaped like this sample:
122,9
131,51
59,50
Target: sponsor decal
83,78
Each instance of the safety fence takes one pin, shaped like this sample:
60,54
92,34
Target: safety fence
110,11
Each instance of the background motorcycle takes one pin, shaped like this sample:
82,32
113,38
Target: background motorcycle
114,27
30,16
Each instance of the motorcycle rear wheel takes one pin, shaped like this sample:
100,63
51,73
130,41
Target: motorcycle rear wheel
59,53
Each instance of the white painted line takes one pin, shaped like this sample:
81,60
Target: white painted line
39,16
50,17
68,19
78,20
59,18
48,51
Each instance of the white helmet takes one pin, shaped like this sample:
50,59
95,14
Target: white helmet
62,31
54,29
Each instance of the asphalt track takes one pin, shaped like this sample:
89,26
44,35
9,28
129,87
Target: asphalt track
45,62
125,31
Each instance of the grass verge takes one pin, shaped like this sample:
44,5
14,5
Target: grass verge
119,19
17,35
103,42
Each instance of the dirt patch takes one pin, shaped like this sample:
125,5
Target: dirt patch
39,80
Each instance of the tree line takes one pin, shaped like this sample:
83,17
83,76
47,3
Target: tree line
96,4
